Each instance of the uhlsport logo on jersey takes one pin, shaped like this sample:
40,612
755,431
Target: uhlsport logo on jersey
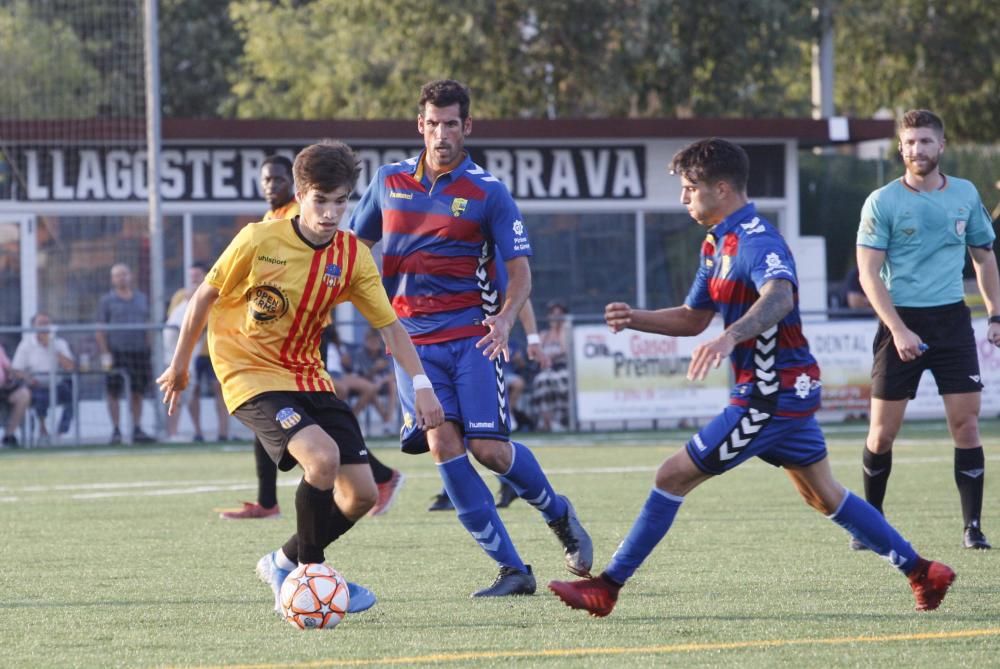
458,206
288,418
331,275
266,303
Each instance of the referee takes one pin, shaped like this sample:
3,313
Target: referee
911,248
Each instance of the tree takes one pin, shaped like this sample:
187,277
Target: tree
199,48
921,53
54,82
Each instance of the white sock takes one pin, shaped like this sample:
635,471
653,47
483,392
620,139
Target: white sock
282,561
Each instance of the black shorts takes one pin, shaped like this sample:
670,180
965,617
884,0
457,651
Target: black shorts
137,364
275,417
951,354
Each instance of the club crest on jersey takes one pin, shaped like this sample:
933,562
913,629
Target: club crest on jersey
331,275
288,418
458,206
960,228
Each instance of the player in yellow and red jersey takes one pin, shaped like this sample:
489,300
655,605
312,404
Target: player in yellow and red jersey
277,186
265,303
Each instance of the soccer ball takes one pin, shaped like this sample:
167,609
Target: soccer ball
314,596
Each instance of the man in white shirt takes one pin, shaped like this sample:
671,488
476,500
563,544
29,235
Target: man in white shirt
34,360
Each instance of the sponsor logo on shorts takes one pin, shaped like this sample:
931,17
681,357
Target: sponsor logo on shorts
363,451
288,418
482,423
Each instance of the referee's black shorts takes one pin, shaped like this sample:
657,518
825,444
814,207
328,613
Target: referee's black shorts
951,354
276,416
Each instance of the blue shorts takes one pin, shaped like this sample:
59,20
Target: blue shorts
470,387
739,433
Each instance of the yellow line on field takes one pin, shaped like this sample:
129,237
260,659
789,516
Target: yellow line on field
638,650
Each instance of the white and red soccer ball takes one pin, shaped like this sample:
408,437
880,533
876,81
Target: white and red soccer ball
314,596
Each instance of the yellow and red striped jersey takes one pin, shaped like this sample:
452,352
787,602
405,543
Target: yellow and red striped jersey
276,291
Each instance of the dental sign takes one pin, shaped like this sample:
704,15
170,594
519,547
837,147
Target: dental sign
230,173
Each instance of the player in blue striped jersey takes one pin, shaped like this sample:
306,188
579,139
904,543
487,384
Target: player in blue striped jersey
747,274
443,222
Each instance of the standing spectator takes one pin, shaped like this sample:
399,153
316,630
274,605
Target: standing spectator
14,393
33,359
550,389
192,395
911,246
126,350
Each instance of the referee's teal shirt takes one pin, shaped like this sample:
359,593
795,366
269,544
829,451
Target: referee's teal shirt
924,236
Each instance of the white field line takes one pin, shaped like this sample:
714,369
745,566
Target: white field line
135,489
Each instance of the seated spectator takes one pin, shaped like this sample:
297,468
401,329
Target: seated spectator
516,373
854,295
33,360
14,395
372,363
346,383
550,389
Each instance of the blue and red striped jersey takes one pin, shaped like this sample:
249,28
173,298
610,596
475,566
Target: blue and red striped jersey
775,369
441,241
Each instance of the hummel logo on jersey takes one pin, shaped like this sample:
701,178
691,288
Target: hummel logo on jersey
400,195
753,226
974,377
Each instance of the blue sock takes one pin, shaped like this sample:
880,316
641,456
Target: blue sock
650,527
870,528
477,511
527,478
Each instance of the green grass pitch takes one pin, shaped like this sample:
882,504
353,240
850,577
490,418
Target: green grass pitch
115,558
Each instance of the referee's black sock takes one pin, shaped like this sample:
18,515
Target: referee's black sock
267,476
970,473
380,472
312,510
877,467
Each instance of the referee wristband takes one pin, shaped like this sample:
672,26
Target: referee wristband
420,382
994,319
533,338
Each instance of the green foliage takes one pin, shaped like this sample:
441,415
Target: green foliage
199,48
63,84
921,53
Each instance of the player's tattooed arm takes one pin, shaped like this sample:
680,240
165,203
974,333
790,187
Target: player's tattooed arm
775,301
